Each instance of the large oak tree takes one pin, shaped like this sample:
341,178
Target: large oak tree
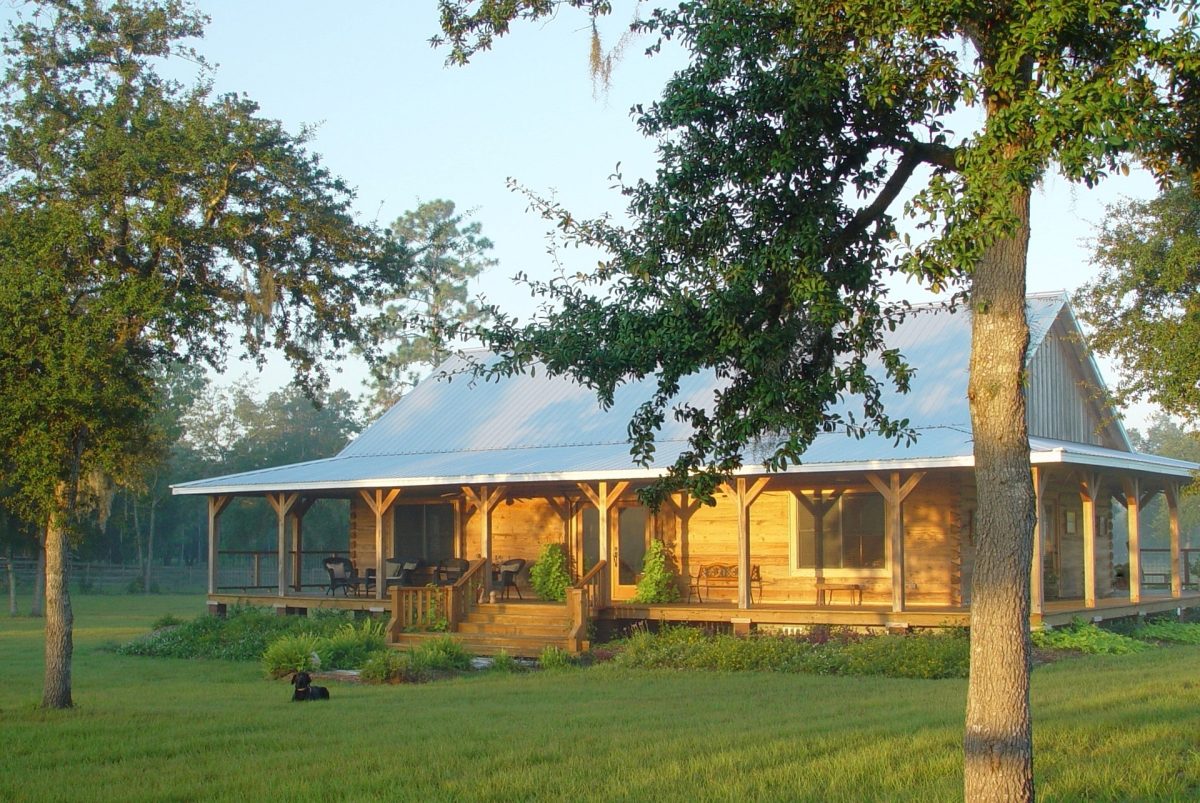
145,221
757,249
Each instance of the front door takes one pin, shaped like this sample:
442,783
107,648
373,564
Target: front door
629,549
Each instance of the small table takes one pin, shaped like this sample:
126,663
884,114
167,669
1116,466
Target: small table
825,591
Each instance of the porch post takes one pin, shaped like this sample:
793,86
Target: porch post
1172,494
380,503
745,497
297,553
485,501
602,507
298,542
684,506
485,535
894,494
1037,584
216,505
283,503
460,541
1089,487
1132,509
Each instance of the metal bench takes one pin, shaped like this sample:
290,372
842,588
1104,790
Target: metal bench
721,575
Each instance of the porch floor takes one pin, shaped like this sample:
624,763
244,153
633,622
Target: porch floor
1056,613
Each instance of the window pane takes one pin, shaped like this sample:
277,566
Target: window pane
862,531
830,556
439,533
806,544
631,535
591,537
408,526
424,532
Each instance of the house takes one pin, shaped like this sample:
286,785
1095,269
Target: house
864,532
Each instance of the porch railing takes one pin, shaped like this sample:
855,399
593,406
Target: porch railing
583,598
1156,567
247,570
436,608
418,608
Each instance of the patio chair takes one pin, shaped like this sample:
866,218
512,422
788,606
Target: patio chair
400,572
450,570
507,578
341,575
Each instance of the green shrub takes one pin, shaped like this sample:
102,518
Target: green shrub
553,657
505,663
442,654
925,655
1168,630
549,576
242,635
349,646
329,617
388,666
291,653
658,582
1086,637
166,620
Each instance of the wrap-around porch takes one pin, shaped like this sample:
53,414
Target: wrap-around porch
883,549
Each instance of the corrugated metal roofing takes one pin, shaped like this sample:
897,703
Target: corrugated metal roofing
528,428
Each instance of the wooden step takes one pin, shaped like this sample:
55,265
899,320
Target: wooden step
516,646
522,629
516,620
524,608
546,629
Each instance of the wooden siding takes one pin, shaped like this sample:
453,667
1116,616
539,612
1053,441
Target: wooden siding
939,549
931,535
1063,401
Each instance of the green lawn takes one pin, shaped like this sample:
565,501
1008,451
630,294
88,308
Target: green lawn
1119,728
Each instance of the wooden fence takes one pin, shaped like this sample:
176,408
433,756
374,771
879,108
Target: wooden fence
87,576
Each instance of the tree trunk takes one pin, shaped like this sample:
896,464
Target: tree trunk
141,552
59,620
149,547
998,743
39,579
12,584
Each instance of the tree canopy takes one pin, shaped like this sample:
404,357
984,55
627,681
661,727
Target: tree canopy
757,249
145,221
1144,304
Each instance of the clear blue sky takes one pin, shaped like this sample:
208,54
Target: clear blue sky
402,127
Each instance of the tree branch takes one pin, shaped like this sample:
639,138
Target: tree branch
913,154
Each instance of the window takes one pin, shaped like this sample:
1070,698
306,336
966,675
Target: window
850,535
631,543
423,531
590,521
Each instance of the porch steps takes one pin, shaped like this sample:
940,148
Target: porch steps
519,629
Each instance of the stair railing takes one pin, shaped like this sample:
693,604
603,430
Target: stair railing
435,607
416,608
583,598
463,597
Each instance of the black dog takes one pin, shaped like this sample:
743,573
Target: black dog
305,690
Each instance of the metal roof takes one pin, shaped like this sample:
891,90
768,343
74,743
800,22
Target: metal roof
537,428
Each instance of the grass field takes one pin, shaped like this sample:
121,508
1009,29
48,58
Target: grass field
1117,728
